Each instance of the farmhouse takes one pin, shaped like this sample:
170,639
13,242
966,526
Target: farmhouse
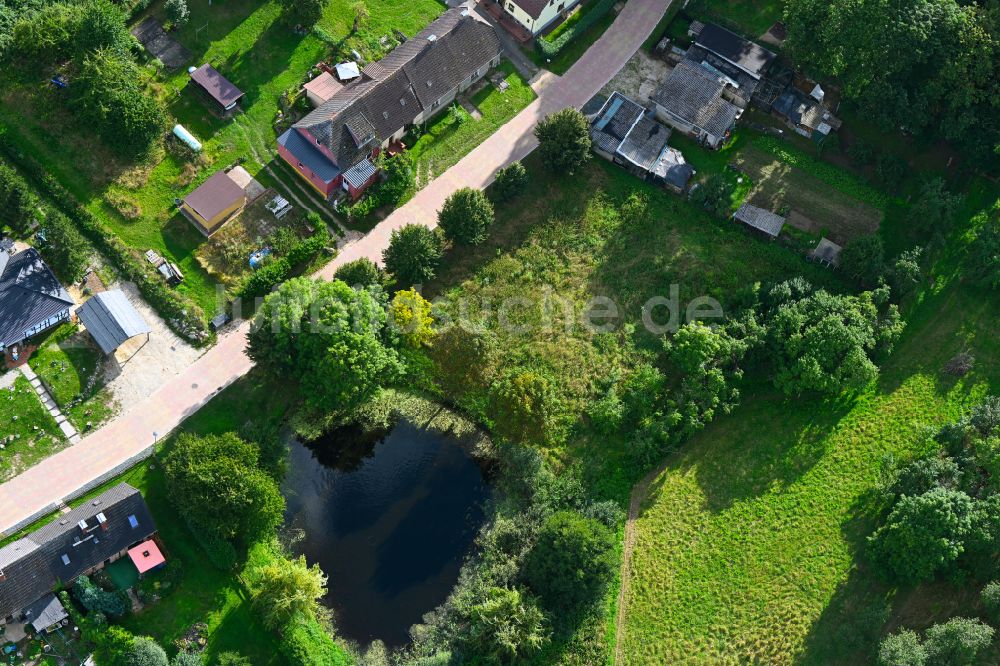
31,298
214,202
335,146
691,100
625,133
760,220
536,15
78,542
223,95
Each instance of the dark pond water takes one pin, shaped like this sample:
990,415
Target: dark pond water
389,520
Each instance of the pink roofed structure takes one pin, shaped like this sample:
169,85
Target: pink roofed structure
146,556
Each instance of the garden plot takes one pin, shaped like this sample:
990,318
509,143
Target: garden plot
27,432
810,204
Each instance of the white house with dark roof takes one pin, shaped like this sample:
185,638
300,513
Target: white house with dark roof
536,15
32,299
334,147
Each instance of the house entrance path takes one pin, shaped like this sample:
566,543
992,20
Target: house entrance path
120,444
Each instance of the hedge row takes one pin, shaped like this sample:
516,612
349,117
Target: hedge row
262,281
181,314
833,176
594,14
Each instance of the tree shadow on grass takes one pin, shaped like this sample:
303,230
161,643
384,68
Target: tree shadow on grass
764,446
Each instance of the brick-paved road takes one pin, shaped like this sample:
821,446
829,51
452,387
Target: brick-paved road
38,489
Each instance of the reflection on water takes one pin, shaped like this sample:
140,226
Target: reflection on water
389,520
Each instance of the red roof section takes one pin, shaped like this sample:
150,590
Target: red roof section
146,556
324,86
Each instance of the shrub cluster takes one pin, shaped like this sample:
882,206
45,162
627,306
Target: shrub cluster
262,281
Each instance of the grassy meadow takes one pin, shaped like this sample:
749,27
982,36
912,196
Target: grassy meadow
28,433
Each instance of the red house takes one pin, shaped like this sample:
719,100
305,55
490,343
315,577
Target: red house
335,146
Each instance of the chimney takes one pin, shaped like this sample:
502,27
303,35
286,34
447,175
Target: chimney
102,521
3,576
432,38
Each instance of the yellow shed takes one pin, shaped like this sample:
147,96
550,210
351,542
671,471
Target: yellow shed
213,202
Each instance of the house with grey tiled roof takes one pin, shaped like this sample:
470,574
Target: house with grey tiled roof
691,100
78,542
334,147
32,299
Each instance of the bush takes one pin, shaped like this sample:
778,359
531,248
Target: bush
466,216
40,39
507,626
410,316
551,49
902,649
95,599
564,140
714,195
413,255
306,643
957,642
18,201
984,250
303,12
890,170
861,152
188,659
65,247
103,27
926,474
570,564
510,181
146,652
266,278
525,407
360,273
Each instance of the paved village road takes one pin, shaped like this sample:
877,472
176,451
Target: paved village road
113,448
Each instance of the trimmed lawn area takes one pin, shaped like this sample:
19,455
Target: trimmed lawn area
69,364
250,45
576,48
34,432
452,135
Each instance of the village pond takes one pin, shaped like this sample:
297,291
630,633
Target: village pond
389,517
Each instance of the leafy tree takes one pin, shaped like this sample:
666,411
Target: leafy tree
360,273
510,181
103,27
64,246
109,95
890,170
714,195
361,15
286,588
507,627
413,254
984,251
905,273
18,201
231,658
525,407
98,600
861,152
303,12
564,140
957,642
40,39
902,649
822,342
327,336
410,314
923,534
263,280
934,209
466,216
570,563
177,12
146,652
216,484
864,259
990,598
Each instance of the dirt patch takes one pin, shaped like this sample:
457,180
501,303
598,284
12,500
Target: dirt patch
810,204
639,78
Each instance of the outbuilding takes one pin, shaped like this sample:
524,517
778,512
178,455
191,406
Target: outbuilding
322,88
112,320
760,220
214,202
217,88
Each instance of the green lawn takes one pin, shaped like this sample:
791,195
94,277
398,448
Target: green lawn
448,139
67,362
34,432
752,17
750,544
248,43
